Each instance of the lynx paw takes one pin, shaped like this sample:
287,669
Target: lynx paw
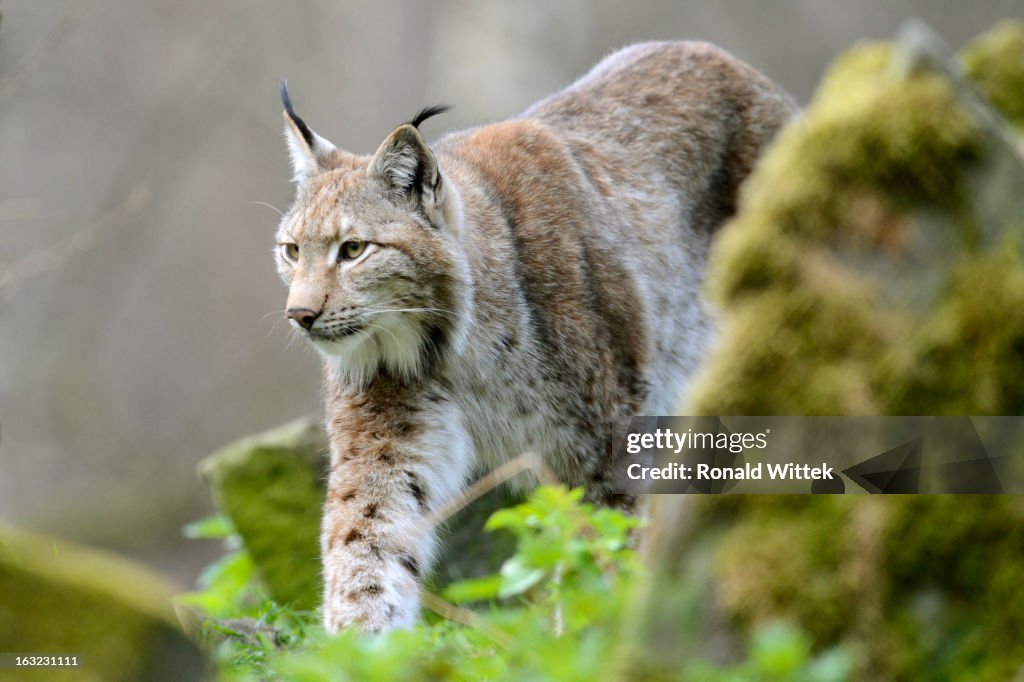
372,605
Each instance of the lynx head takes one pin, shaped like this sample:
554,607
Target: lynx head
366,251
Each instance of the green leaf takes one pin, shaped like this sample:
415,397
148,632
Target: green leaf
225,585
505,518
473,589
835,665
215,527
779,649
517,577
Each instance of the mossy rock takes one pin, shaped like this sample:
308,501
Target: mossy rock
995,62
271,486
58,598
923,587
871,269
876,266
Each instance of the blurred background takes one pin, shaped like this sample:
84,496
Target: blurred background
140,322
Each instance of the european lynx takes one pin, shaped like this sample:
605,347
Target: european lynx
515,287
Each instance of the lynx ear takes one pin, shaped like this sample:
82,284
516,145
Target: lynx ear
311,154
406,165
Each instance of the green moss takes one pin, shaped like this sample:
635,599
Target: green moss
867,131
947,540
926,587
772,341
963,358
872,190
271,487
56,598
965,552
995,61
871,271
757,583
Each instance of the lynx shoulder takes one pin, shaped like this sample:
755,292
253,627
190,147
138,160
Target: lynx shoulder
510,288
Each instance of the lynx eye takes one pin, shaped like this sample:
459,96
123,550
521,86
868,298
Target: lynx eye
290,251
352,249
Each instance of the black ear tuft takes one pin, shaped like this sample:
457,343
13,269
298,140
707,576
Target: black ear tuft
428,113
286,100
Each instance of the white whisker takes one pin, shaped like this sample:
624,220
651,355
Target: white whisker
273,312
293,338
263,203
397,299
384,329
273,327
374,311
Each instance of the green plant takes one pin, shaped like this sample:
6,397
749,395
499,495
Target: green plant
553,612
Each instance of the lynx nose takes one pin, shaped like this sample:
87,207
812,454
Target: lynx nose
304,316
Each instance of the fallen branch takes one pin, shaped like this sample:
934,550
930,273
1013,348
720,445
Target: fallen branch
506,472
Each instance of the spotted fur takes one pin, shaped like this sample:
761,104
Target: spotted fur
522,286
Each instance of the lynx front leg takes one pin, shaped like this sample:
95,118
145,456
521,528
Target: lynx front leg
389,472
